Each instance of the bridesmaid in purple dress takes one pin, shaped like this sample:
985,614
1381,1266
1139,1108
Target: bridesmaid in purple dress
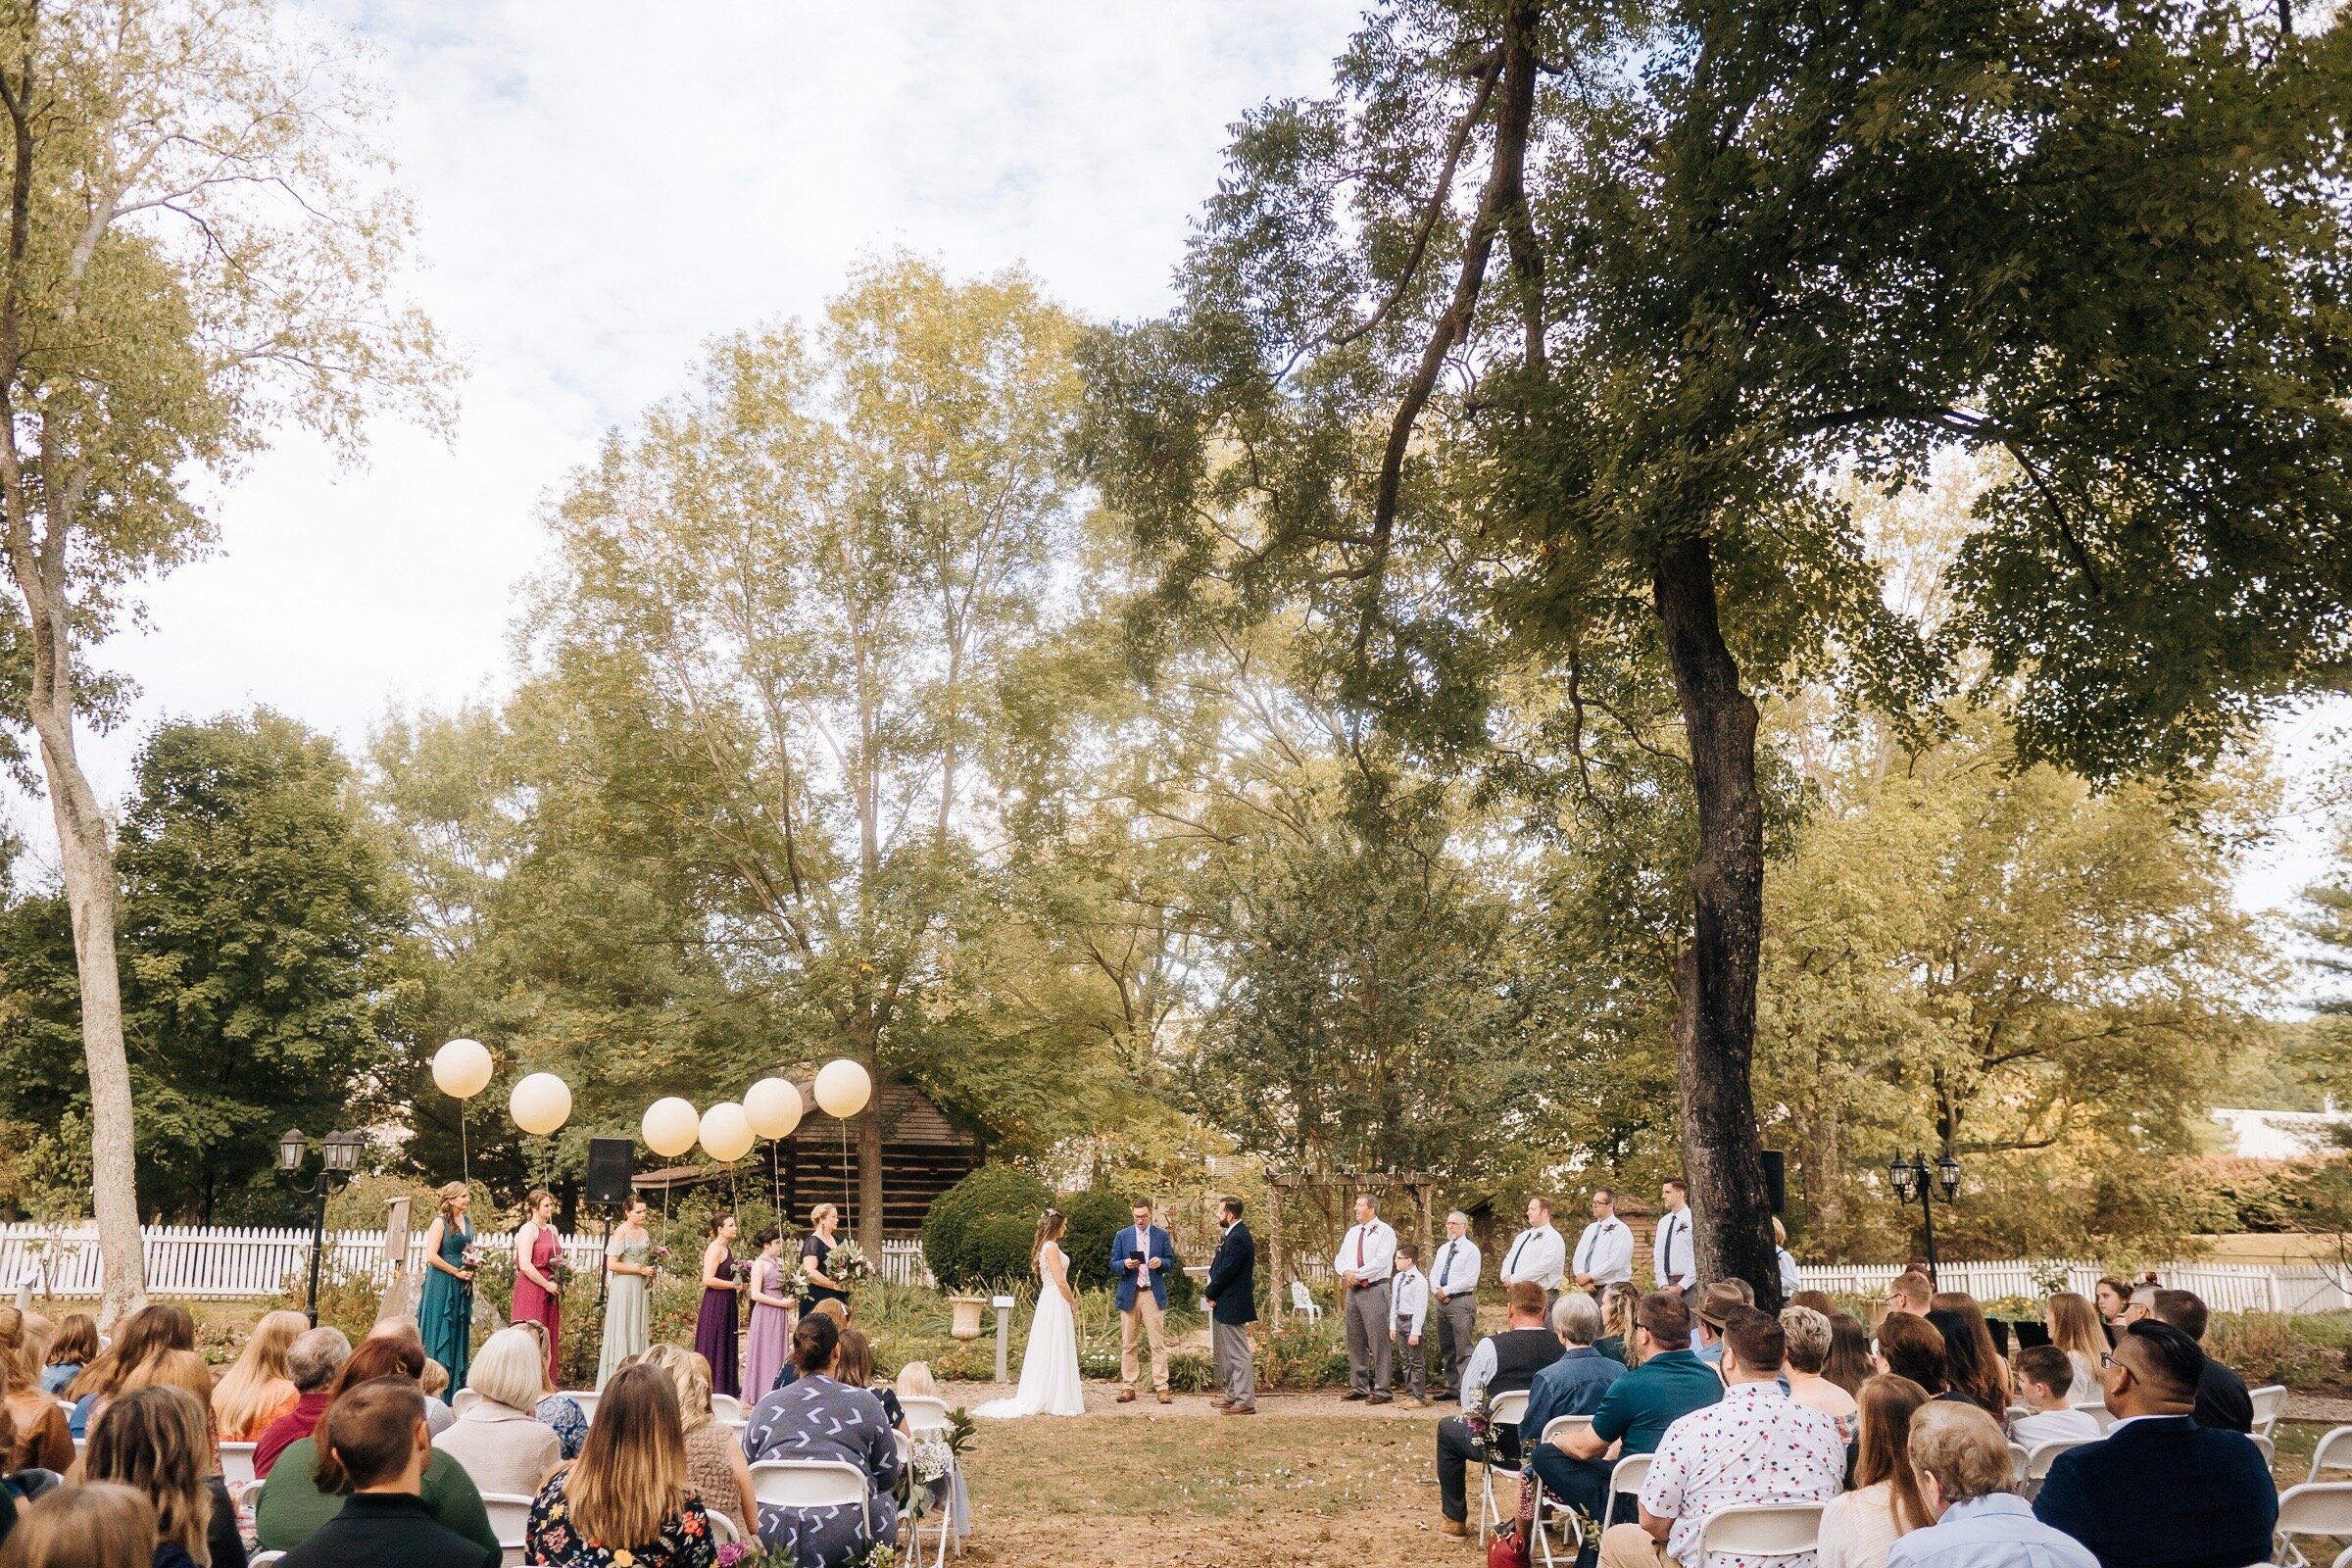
535,1295
714,1328
770,1339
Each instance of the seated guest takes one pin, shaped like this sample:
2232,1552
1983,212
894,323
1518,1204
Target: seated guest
438,1413
1573,1385
1755,1445
2141,1305
1849,1365
1818,1301
1910,1291
1617,1325
558,1410
74,1347
256,1390
159,1441
787,1374
138,1336
1911,1346
1808,1335
378,1435
313,1361
1969,1488
2159,1491
1503,1363
625,1500
97,1525
1667,1383
854,1368
2045,1376
2111,1296
1716,1304
1885,1504
818,1418
1971,1362
716,1469
306,1487
2221,1397
43,1438
502,1444
2074,1326
915,1382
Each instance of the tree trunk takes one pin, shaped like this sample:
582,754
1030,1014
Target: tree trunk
87,862
1715,980
869,1177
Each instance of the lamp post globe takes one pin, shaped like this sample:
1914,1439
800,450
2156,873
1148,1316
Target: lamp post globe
292,1144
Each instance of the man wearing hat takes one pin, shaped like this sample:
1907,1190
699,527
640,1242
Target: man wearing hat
1716,1304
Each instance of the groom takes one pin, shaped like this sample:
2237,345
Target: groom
1141,1256
1231,1295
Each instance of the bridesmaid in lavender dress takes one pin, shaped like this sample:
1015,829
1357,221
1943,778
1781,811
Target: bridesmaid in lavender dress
714,1328
771,1315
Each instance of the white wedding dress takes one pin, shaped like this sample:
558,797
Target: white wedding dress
1049,1381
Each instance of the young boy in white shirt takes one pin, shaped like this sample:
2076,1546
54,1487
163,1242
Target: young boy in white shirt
2044,1373
1409,1308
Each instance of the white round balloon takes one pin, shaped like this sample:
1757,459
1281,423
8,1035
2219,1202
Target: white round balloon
462,1068
669,1126
540,1103
727,1132
843,1087
774,1106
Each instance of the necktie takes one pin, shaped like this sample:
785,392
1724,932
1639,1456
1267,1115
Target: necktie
1583,1249
1510,1264
1445,1266
1670,1219
1359,1247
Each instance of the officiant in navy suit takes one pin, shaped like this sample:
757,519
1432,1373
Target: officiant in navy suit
1232,1297
1143,1257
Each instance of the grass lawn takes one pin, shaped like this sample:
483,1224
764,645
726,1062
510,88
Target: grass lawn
1291,1490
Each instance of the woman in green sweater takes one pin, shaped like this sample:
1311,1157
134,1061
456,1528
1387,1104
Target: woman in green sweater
305,1492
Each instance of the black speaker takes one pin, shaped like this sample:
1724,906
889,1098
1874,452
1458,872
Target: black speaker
1776,1180
608,1169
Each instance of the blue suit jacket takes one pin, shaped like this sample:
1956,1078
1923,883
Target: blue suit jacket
1155,1243
2164,1493
1232,1287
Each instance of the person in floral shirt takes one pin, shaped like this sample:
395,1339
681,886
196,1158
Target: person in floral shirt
1755,1446
623,1504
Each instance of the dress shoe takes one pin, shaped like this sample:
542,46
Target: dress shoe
1126,1397
1241,1410
1378,1398
1452,1527
1223,1402
1354,1394
1165,1398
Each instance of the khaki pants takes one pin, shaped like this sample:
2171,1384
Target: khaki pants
1631,1546
1146,1312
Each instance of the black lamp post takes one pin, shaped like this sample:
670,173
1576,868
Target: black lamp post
1915,1178
339,1153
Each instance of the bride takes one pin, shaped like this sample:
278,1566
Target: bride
1049,1382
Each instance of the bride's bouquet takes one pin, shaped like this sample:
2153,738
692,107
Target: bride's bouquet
847,1264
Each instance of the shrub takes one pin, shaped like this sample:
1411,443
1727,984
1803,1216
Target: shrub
977,1235
1097,1215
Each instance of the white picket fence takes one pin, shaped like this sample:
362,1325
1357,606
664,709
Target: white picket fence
2223,1287
228,1263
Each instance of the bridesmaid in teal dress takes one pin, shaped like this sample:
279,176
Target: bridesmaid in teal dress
444,1305
629,1276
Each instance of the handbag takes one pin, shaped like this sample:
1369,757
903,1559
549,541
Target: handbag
1512,1546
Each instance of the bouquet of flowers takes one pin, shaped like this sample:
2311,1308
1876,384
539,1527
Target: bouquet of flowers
845,1263
471,1258
795,1283
558,1273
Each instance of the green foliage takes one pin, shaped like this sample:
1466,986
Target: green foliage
978,1233
1097,1215
259,916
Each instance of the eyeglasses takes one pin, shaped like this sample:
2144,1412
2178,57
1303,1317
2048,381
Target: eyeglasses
2106,1359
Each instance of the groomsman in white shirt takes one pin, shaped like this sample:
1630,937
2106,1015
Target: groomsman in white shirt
1672,1252
1536,1254
1365,1260
1410,1301
1454,1272
1604,1253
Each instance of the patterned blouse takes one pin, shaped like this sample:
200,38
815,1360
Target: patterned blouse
565,1417
1756,1445
549,1538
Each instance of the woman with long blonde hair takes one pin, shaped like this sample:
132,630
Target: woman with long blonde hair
626,1498
42,1439
1886,1503
158,1441
1618,1341
256,1390
445,1303
716,1469
150,1331
2074,1328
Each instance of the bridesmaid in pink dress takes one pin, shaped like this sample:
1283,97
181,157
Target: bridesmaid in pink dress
535,1295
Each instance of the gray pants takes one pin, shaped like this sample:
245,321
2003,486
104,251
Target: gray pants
1367,1312
1237,1375
1454,1322
1409,1362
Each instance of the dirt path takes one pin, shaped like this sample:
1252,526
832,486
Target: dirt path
1102,1399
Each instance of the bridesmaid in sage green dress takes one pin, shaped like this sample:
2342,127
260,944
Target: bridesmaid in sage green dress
629,1271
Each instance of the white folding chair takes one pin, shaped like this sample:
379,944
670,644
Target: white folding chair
812,1483
2270,1403
2335,1452
1304,1303
2037,1463
722,1527
2097,1410
263,1559
1503,1410
510,1516
1762,1529
923,1412
727,1407
1572,1540
1625,1481
464,1399
236,1463
2018,1460
925,1416
2314,1508
2270,1451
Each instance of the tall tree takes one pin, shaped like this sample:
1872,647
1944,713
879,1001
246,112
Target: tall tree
198,247
258,917
1560,320
791,594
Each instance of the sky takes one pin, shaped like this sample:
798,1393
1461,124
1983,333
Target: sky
600,188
